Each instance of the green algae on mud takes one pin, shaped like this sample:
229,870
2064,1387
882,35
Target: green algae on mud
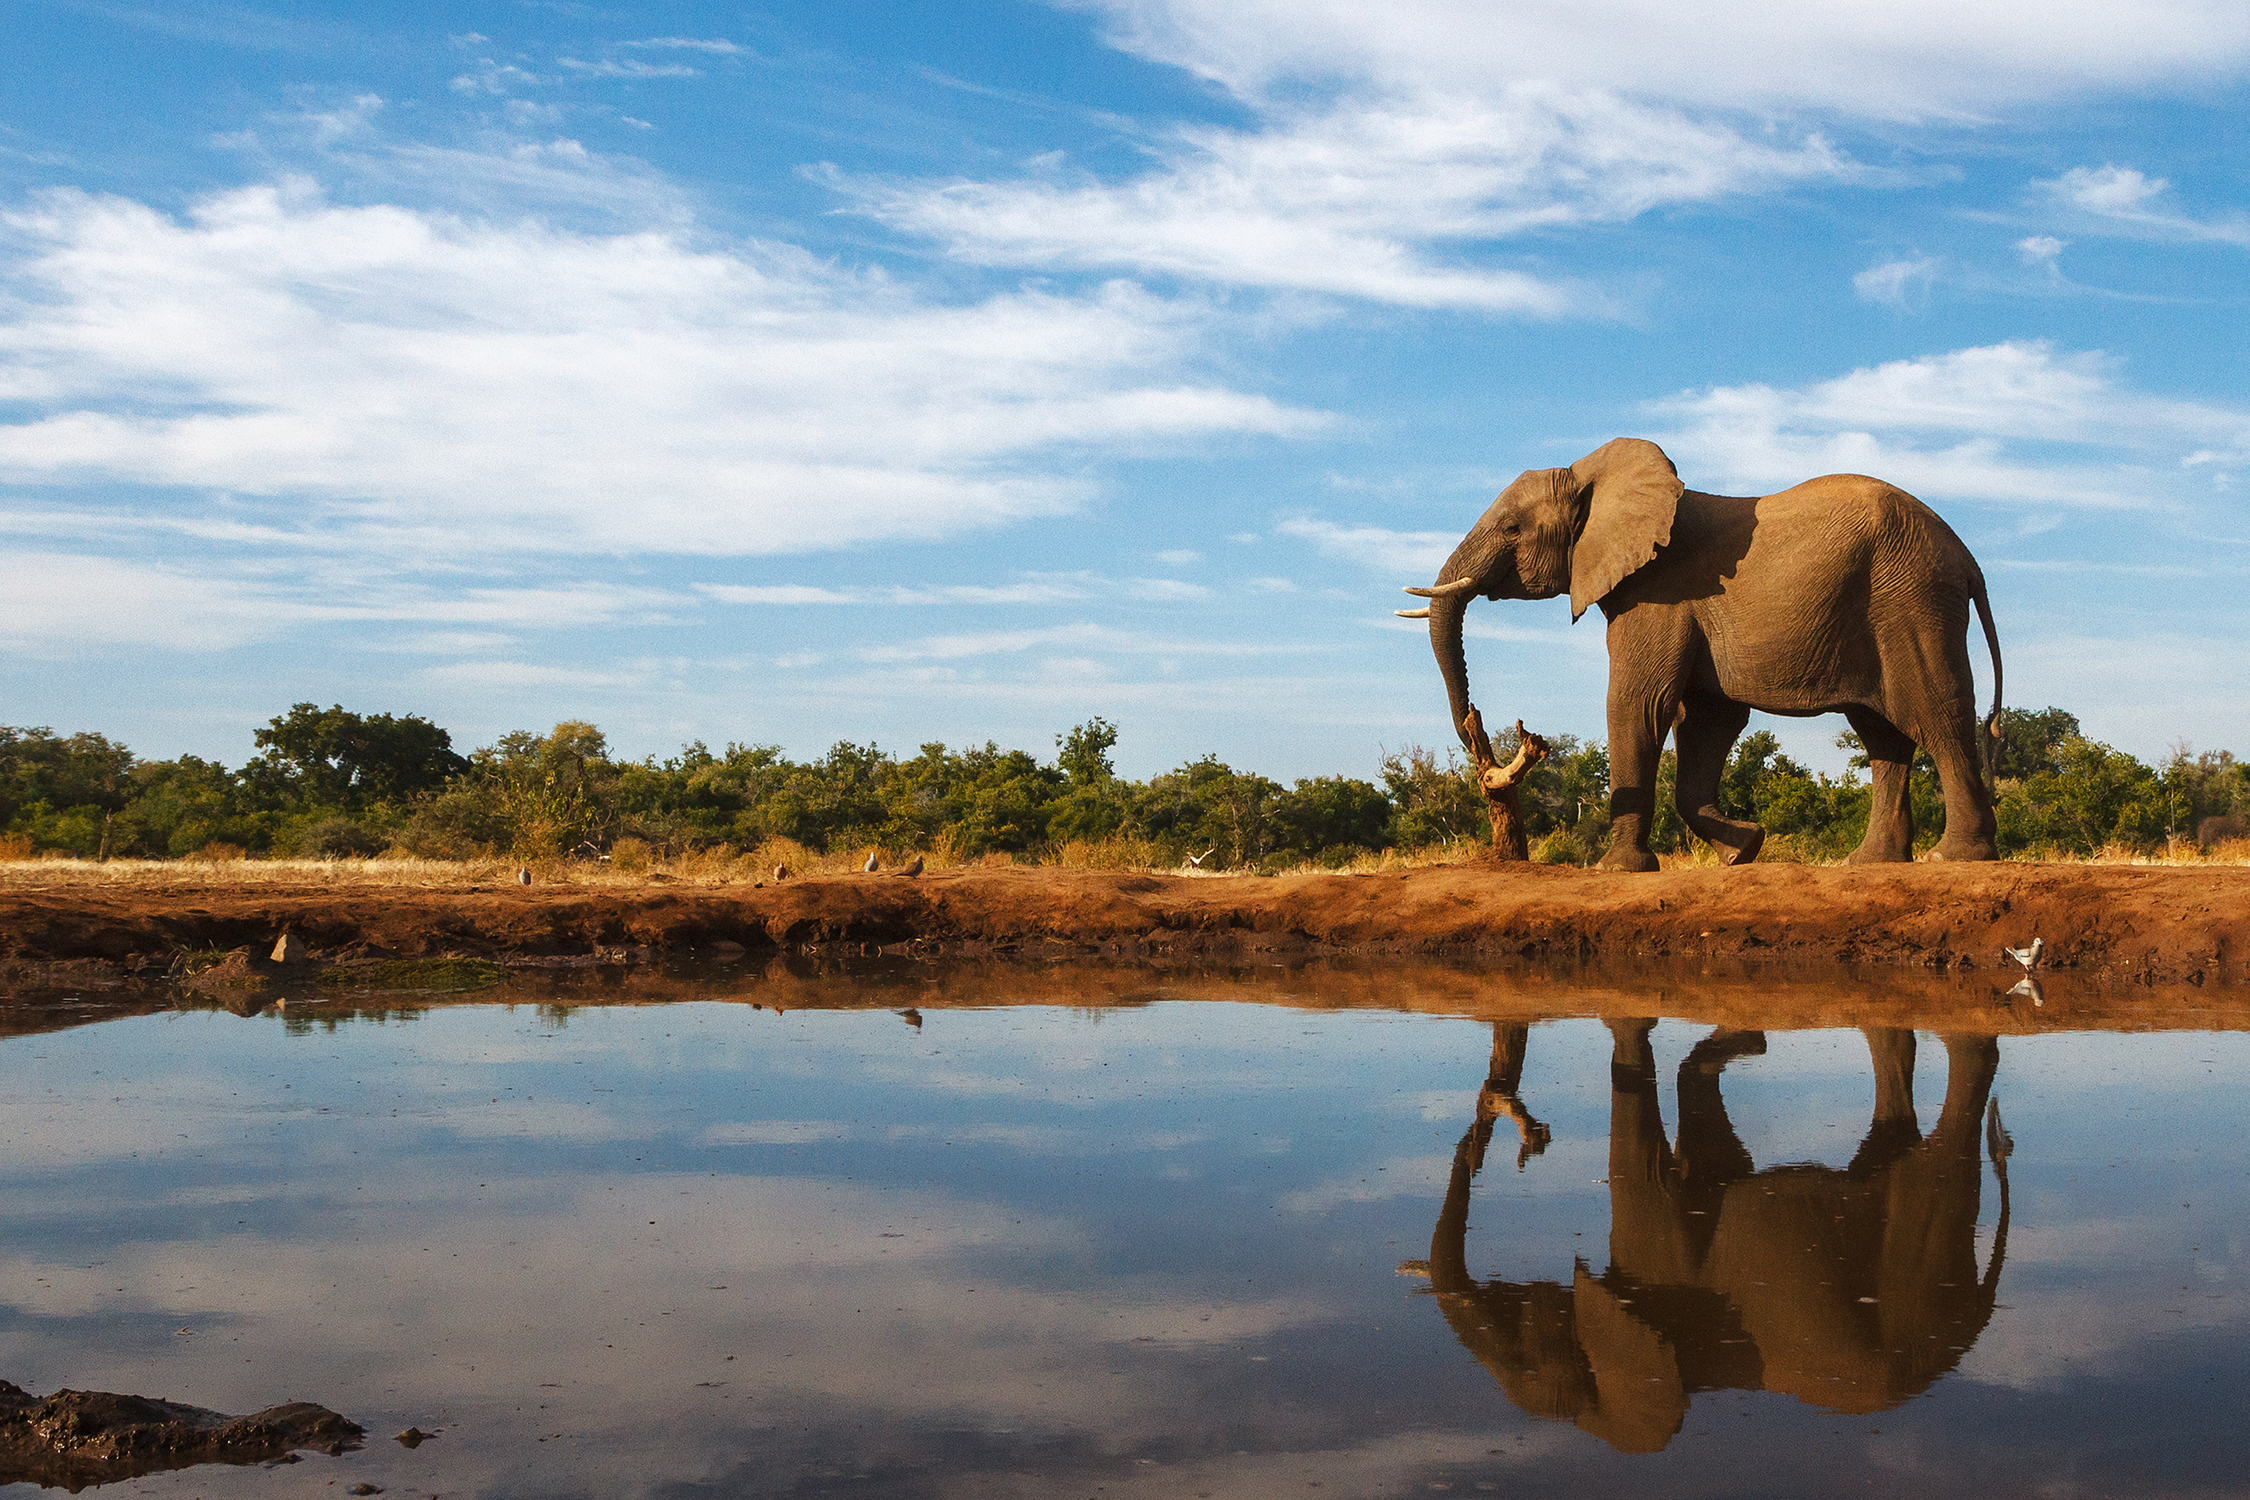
434,976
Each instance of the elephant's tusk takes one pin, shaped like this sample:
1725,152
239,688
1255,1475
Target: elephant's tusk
1413,614
1443,590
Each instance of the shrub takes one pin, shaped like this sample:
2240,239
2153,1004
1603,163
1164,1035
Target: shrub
338,838
630,856
15,846
1560,847
2213,831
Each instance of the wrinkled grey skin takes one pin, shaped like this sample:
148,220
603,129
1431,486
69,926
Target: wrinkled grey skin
1842,595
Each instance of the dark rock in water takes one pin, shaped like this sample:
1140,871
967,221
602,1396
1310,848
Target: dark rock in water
364,1488
415,1437
73,1439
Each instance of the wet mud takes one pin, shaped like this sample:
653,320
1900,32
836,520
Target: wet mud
73,1439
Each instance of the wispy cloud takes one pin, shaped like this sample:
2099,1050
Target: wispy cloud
428,379
901,594
1893,281
1906,60
2123,200
2012,424
1371,200
1083,636
75,603
1409,554
629,67
1398,154
717,46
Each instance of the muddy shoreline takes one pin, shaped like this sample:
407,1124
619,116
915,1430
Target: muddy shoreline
2107,925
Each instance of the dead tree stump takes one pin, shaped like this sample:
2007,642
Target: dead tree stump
1502,785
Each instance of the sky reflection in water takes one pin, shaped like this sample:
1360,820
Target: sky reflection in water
1175,1249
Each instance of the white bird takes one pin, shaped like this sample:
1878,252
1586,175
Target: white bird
2028,957
913,869
1195,861
2027,988
870,867
523,874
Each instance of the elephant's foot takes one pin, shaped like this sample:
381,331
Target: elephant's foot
1873,851
1623,856
1734,843
1971,847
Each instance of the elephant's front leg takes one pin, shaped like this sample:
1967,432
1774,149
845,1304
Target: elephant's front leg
1633,749
1706,734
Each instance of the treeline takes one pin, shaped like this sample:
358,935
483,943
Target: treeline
330,783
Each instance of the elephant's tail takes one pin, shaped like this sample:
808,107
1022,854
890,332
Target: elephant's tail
1989,741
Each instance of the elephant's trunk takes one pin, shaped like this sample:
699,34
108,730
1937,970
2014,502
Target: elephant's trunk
1463,575
1445,641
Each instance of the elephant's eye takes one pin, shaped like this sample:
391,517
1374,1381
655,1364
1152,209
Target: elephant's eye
1512,528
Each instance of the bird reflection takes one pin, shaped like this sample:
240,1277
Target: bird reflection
1851,1289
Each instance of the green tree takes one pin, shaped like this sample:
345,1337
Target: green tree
2031,741
1330,819
333,758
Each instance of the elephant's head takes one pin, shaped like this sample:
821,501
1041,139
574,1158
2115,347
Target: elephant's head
1584,529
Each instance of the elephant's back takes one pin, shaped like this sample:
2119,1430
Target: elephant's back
1874,523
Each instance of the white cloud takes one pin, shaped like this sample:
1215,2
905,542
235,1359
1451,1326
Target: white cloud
414,377
519,674
2123,200
1390,148
717,45
1042,592
1083,636
1165,588
2106,190
631,67
1179,557
2042,250
1409,554
1894,61
68,603
1891,281
2013,423
1361,200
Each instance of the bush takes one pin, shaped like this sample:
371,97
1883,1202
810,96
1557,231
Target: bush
1561,847
2210,833
338,838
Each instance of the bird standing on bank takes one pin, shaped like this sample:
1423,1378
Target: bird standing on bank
1195,861
2028,957
780,873
913,869
523,874
870,867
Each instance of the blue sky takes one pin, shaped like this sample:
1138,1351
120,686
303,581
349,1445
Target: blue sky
913,372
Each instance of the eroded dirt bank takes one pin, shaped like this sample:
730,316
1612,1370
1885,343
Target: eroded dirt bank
2150,925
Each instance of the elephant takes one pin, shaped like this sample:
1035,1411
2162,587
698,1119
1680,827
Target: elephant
1843,594
1851,1289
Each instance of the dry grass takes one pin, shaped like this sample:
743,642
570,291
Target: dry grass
631,868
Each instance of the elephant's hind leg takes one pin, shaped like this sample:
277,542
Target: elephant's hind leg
1890,813
1706,734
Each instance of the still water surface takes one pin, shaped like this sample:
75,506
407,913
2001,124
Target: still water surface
1180,1248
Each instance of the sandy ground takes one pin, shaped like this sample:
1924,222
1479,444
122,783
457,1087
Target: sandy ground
2118,924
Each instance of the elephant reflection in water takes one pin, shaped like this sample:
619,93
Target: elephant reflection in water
1852,1290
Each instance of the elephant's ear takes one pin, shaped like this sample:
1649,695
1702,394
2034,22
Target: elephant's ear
1631,493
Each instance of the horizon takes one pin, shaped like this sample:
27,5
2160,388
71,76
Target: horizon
804,376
